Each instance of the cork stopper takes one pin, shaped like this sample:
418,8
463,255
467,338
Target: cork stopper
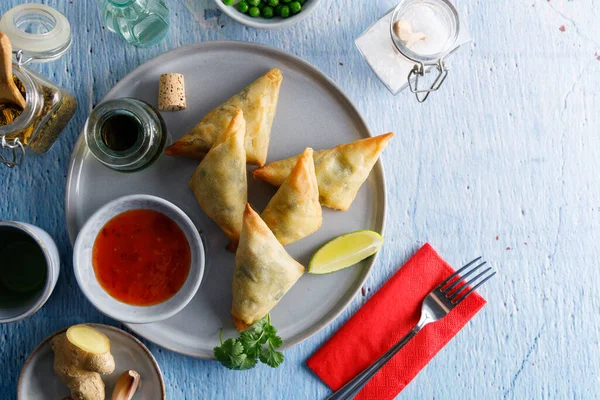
171,92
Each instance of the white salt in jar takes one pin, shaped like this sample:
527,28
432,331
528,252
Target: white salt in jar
410,41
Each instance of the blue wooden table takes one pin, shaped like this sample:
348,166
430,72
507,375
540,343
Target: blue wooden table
503,162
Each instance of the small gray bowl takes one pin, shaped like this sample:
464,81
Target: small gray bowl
17,310
263,23
86,278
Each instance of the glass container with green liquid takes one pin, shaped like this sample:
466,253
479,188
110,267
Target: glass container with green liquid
29,269
23,271
140,22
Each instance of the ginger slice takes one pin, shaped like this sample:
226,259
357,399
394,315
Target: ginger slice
88,339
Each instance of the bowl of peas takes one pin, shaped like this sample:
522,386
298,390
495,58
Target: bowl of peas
267,14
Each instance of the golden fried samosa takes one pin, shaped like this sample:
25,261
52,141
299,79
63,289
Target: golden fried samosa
340,171
264,272
258,101
220,184
294,212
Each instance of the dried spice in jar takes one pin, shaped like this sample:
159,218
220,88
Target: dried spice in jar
48,108
58,109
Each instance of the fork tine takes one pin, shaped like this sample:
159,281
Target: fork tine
467,283
448,279
461,298
462,279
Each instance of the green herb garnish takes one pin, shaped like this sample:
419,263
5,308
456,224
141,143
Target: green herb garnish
259,342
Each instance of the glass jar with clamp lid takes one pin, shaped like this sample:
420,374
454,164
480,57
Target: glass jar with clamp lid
411,41
38,33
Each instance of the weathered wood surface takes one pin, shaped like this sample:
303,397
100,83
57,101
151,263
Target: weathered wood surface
501,162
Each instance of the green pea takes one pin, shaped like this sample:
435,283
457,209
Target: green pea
254,12
267,12
253,3
277,10
243,7
285,11
295,7
287,1
228,2
273,3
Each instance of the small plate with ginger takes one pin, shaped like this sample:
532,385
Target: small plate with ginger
86,362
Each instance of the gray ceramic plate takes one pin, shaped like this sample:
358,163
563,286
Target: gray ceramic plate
38,382
312,112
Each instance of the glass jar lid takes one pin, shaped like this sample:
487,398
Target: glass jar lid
37,31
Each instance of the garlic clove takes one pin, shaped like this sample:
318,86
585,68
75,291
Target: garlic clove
404,31
127,385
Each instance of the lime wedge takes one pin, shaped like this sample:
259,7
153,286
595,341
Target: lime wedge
344,251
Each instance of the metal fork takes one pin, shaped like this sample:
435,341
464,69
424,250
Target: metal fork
436,306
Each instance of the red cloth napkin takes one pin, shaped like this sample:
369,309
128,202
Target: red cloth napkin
383,320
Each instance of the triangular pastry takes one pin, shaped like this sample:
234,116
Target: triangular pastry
294,212
264,272
340,171
258,101
220,183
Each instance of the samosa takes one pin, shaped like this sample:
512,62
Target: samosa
258,101
294,211
264,272
220,183
340,171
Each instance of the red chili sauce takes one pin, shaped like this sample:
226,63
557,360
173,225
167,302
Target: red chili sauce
141,257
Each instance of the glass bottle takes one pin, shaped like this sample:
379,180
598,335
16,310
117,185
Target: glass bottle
140,22
125,134
38,33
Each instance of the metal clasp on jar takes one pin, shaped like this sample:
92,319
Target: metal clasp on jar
15,150
419,71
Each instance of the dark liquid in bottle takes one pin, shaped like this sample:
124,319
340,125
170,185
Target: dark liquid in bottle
22,268
120,132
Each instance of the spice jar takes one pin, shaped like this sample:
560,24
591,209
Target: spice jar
410,41
38,33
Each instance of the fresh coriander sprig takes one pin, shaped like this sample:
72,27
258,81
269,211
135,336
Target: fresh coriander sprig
259,342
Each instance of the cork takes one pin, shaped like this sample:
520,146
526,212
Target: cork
171,92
